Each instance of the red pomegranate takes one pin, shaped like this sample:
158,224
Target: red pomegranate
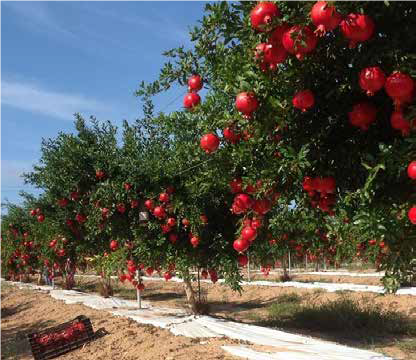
32,212
303,100
81,218
41,218
204,219
248,233
140,287
411,170
262,15
209,143
362,115
327,185
236,185
149,204
167,275
271,55
173,238
191,100
299,41
398,122
164,197
63,202
127,186
99,174
308,184
262,206
74,195
242,203
399,87
121,208
194,241
185,222
372,79
171,222
357,28
134,203
276,36
325,17
204,274
256,224
242,260
240,245
246,103
165,228
412,215
104,212
195,83
230,135
159,212
113,245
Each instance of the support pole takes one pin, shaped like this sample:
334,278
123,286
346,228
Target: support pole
138,292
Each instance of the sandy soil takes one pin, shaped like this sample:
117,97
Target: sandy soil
25,311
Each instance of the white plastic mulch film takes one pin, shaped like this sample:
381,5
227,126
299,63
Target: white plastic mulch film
281,345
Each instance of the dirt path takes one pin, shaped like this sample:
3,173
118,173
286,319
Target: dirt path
25,311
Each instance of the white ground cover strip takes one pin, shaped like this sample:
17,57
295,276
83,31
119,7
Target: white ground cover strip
282,345
339,273
330,287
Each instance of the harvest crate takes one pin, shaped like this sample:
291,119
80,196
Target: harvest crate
57,340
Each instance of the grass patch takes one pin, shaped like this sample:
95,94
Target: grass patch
291,298
346,316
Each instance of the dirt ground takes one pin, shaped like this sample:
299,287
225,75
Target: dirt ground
25,311
249,307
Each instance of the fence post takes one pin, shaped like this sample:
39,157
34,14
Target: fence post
138,292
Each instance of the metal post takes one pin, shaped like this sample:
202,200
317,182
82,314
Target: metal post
138,292
306,262
248,267
199,287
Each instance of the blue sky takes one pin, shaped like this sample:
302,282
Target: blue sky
64,57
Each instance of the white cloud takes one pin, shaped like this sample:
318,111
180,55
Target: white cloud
35,13
33,98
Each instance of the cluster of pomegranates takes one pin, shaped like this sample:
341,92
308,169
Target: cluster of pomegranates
321,191
192,98
212,274
243,203
59,251
38,213
300,40
130,275
399,86
71,333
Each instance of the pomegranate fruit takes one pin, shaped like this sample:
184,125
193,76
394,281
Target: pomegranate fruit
303,100
195,83
41,218
256,224
412,215
411,170
134,203
99,174
325,17
127,186
357,28
191,100
262,15
299,41
242,203
149,204
372,79
276,36
308,184
209,143
204,274
167,275
149,271
246,103
121,208
140,287
241,245
204,219
173,238
242,260
248,233
262,206
271,55
164,197
398,122
81,218
194,241
159,212
362,115
230,135
399,86
165,228
236,185
63,202
185,222
32,212
113,245
171,222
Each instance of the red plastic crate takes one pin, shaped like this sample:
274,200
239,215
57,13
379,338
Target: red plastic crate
57,340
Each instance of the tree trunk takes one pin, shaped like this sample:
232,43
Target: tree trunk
190,295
